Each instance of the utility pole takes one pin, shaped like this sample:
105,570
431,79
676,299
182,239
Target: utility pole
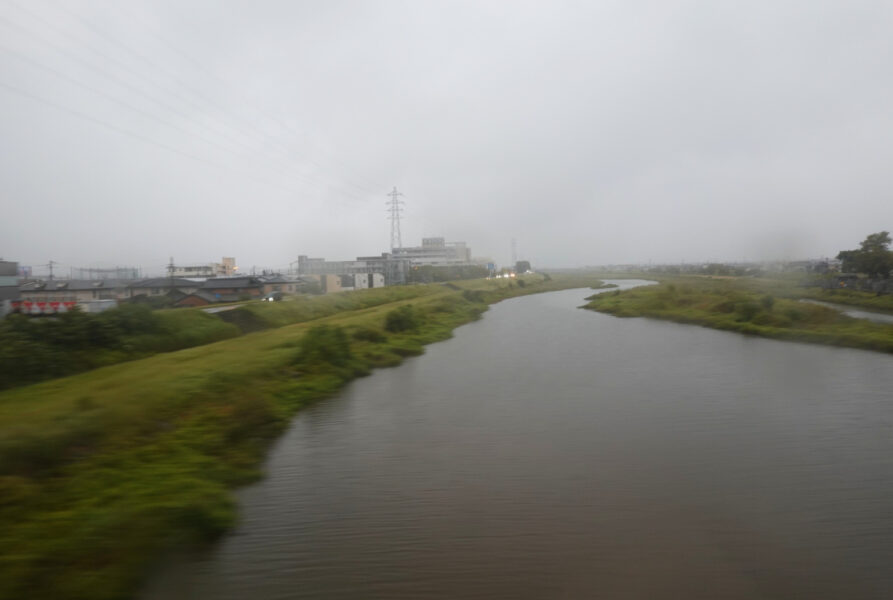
170,274
395,210
50,265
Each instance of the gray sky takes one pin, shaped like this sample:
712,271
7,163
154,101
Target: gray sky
592,132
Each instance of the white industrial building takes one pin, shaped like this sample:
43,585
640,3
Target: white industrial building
436,252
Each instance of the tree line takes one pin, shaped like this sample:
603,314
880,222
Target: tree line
873,257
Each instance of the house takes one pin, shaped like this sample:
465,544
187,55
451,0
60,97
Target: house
282,283
224,289
160,286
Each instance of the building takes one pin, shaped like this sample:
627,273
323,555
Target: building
59,295
9,286
94,273
392,270
229,289
225,268
362,281
286,284
161,286
436,252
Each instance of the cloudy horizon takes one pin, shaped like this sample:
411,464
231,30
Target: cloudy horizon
590,132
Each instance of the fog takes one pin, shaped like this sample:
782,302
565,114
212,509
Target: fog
591,132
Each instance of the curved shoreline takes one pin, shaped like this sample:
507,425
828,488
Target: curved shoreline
727,306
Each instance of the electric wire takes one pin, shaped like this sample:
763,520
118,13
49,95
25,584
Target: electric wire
129,86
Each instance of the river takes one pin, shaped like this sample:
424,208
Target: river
551,452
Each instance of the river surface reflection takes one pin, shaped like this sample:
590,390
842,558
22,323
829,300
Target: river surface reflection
552,452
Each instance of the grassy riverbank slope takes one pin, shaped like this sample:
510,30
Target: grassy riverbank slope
781,285
33,350
755,307
104,472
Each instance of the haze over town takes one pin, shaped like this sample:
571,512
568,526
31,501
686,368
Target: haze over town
592,133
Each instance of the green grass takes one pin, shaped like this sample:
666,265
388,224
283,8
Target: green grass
182,328
754,307
104,472
867,300
784,285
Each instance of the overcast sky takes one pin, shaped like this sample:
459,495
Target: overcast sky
592,132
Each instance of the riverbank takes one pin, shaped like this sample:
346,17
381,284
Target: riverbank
33,350
755,307
107,471
782,285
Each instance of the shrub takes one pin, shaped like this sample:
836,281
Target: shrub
795,314
474,296
747,310
768,302
368,334
401,319
726,306
325,344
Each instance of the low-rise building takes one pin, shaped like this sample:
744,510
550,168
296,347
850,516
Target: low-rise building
286,284
225,268
58,295
161,286
331,283
392,269
436,252
368,280
9,286
229,289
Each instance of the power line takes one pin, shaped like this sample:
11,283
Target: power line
139,75
120,130
162,103
281,125
126,105
105,95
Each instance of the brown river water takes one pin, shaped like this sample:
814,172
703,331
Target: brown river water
551,452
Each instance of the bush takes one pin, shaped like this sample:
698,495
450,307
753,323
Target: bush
474,296
747,310
795,314
725,306
768,302
368,334
401,319
325,344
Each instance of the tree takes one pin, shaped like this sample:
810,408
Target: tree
873,258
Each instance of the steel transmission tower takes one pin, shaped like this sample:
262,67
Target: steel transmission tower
395,210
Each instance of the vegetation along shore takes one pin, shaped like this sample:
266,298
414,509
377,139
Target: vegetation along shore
757,306
105,472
